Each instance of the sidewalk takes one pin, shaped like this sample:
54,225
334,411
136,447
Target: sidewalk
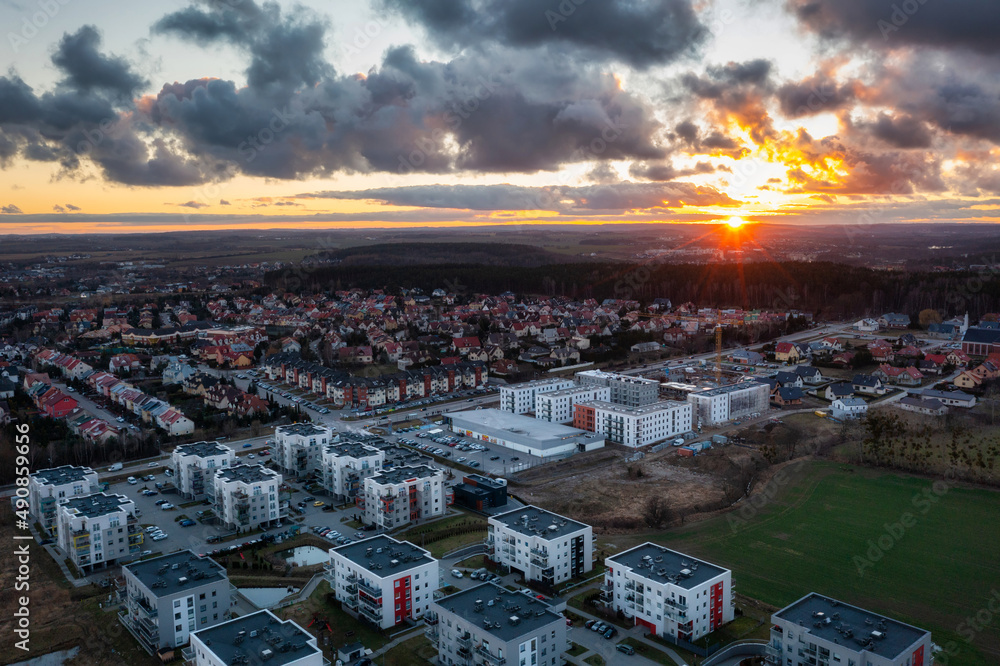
54,553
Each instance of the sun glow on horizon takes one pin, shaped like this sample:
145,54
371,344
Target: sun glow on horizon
735,222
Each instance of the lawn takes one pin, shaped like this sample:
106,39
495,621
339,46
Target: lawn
659,656
575,650
821,533
417,651
344,628
444,536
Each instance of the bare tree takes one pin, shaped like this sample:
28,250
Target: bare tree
656,513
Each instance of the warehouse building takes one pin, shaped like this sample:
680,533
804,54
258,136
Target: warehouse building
523,433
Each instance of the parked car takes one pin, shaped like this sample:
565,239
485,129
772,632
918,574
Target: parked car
610,633
187,522
167,506
153,464
625,648
318,503
456,573
132,480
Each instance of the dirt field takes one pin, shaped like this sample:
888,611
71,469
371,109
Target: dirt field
600,488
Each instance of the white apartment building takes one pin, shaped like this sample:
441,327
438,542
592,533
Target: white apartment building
488,624
246,496
542,545
195,465
48,487
383,580
169,597
635,426
625,389
820,630
726,403
402,495
99,529
557,406
669,593
346,464
520,398
299,447
258,638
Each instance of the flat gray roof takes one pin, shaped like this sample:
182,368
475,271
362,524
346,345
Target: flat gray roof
533,521
660,406
57,476
352,449
161,577
517,428
499,606
667,566
378,553
232,641
246,473
835,621
304,429
98,504
729,388
400,474
202,449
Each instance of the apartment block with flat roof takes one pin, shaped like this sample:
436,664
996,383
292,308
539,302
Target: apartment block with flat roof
488,624
97,530
48,487
544,546
402,495
726,403
195,465
669,593
520,398
383,580
626,390
634,426
346,464
299,447
169,597
258,638
820,630
246,496
557,406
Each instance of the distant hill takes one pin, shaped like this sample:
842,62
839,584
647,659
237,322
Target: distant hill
435,253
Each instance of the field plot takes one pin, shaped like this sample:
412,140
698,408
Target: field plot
921,551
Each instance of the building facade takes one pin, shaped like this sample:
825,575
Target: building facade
669,593
820,630
383,580
489,624
543,546
402,495
258,638
625,389
97,530
195,465
346,464
48,487
246,497
168,598
727,403
520,398
634,426
557,406
299,447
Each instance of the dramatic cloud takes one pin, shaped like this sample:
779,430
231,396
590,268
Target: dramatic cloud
813,95
10,209
640,32
902,131
962,24
617,198
87,69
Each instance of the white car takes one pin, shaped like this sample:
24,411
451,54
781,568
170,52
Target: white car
251,456
456,573
145,553
153,464
151,529
166,506
159,537
132,480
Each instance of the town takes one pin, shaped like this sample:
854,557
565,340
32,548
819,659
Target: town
360,475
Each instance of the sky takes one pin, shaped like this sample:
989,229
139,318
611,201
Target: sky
215,114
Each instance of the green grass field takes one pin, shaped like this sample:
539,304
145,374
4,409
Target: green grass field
821,533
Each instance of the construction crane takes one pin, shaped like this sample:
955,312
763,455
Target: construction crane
718,355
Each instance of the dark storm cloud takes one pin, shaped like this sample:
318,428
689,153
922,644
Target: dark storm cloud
286,49
87,69
665,171
816,94
961,24
642,33
736,92
619,197
901,131
713,143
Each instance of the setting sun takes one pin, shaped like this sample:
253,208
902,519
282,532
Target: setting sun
735,222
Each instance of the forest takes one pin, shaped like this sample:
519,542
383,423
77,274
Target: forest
828,290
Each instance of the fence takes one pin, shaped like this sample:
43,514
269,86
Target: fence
745,649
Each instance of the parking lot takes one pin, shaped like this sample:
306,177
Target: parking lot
481,456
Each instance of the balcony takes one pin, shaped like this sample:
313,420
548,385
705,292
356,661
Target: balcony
490,657
373,592
351,602
465,641
370,613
